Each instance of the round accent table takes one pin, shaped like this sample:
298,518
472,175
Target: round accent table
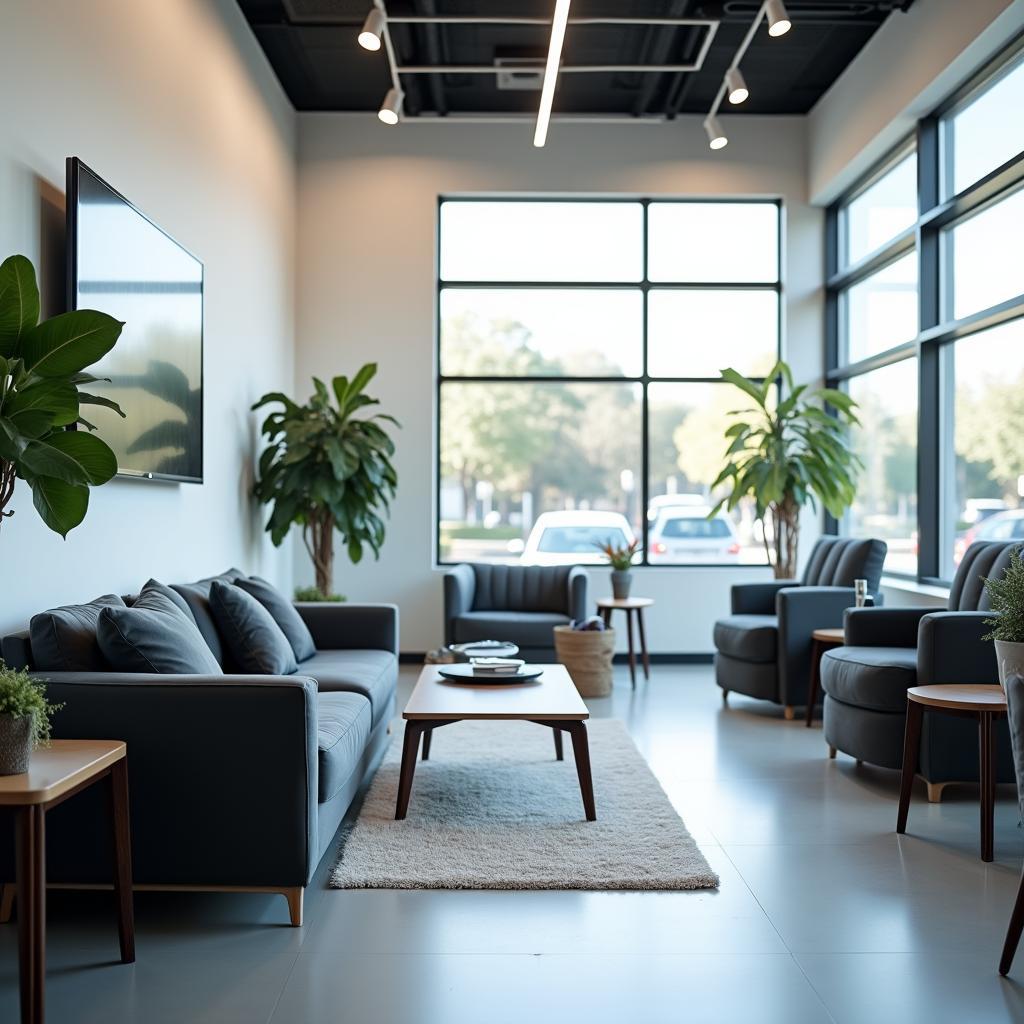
973,700
631,606
821,641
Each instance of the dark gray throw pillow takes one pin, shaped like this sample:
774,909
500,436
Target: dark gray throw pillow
251,637
283,613
64,639
154,635
171,594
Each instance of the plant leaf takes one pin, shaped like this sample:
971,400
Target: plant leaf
57,397
86,399
65,344
62,506
71,456
19,302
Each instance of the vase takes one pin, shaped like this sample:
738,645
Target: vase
15,744
622,579
1010,659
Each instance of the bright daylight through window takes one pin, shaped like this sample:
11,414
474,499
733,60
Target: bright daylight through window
580,348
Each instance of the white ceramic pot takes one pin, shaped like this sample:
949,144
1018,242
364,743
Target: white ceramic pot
1010,658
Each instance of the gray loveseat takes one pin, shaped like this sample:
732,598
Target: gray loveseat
236,781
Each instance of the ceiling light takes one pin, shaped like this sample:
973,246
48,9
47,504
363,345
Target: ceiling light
547,94
716,137
735,86
391,108
373,29
778,20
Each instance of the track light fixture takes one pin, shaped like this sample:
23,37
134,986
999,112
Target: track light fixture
373,29
735,86
391,108
716,137
778,20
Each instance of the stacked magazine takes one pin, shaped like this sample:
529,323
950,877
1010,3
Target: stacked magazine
497,666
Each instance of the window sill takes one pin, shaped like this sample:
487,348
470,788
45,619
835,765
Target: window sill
913,587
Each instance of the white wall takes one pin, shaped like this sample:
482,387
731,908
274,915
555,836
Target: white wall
366,282
173,102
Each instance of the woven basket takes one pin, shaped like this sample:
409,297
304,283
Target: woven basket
587,654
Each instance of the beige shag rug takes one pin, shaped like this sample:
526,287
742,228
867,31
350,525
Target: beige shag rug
493,809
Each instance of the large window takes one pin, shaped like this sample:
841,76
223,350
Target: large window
926,329
580,344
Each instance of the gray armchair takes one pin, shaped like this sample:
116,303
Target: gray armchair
888,650
763,649
518,603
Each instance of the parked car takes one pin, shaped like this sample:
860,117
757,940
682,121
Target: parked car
663,501
572,538
1008,525
688,535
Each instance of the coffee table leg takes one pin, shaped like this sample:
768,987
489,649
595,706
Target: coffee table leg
410,748
911,747
632,656
559,752
643,643
30,826
581,749
122,860
987,778
427,733
817,650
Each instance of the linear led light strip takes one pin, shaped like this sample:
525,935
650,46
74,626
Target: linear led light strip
547,93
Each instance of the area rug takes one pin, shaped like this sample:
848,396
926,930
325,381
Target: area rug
493,809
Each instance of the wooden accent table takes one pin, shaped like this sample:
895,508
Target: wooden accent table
986,702
631,606
822,640
550,700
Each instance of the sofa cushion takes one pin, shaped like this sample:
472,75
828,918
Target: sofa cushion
527,629
154,635
171,594
253,640
876,678
64,639
748,637
283,612
197,597
373,674
343,729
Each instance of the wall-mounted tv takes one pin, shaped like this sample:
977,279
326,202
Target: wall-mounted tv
120,262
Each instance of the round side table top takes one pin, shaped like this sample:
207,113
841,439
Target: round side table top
830,636
625,602
960,697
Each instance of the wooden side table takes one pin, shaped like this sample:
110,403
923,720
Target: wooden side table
822,640
984,701
631,606
58,772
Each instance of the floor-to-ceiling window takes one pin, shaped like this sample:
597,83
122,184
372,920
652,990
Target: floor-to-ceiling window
580,344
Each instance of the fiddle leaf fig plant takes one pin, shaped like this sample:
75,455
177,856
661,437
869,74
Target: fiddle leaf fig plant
42,371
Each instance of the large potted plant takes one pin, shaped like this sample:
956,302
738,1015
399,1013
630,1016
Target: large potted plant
787,454
327,470
42,368
1006,597
25,715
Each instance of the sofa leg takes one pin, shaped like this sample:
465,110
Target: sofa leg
832,752
294,897
935,791
7,901
789,713
725,698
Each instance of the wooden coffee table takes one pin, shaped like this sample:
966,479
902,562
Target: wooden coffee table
551,700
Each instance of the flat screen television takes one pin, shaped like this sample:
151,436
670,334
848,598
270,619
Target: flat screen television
121,263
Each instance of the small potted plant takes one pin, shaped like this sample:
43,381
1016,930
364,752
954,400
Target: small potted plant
621,561
1006,597
25,715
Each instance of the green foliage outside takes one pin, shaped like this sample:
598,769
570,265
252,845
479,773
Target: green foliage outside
1006,596
22,696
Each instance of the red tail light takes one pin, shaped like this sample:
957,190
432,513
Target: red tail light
657,548
734,549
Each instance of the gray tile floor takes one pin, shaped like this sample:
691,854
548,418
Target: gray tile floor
824,914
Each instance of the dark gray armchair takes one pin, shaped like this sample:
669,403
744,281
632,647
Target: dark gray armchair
518,603
888,650
763,649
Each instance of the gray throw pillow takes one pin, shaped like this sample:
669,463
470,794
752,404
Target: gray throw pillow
64,639
250,635
170,593
154,635
283,613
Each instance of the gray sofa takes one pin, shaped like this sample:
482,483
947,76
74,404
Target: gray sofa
236,781
517,603
763,649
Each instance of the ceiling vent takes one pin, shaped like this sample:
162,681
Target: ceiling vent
519,74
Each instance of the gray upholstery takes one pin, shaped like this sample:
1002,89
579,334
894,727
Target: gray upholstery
197,597
748,637
529,629
872,677
169,592
1015,717
254,641
371,674
343,729
64,638
284,613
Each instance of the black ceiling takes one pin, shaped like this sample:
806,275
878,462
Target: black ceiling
312,47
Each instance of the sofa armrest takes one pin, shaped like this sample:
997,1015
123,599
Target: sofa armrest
950,649
757,598
341,626
802,610
577,582
883,627
459,591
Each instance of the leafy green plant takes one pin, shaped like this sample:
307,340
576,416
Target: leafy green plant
313,594
22,696
325,470
1006,596
41,375
619,558
787,456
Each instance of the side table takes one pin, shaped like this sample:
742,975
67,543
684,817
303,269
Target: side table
821,641
631,606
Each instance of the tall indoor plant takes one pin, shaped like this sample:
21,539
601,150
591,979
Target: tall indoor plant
1006,598
788,454
41,375
326,469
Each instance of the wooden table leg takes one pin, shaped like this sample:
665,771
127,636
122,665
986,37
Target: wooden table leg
427,733
632,656
559,751
1013,932
643,643
606,615
410,748
581,748
987,777
30,828
122,860
817,650
911,748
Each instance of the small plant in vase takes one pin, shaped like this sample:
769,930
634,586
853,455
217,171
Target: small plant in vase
25,715
1006,597
621,560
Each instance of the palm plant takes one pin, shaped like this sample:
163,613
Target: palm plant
787,456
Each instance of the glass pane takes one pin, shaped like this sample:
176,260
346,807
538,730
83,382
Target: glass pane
984,484
880,212
687,447
532,472
982,258
987,132
713,242
699,333
886,441
541,332
524,241
880,312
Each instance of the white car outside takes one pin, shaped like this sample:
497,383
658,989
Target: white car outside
572,538
686,535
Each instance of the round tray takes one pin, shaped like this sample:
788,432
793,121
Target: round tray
465,674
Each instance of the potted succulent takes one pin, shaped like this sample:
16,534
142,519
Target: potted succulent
25,715
621,561
1006,597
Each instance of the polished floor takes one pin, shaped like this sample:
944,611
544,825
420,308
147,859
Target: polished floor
824,914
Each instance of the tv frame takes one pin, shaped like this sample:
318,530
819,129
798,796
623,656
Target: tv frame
73,167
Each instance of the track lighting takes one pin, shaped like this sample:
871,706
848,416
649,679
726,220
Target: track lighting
778,20
735,86
373,29
716,137
391,108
